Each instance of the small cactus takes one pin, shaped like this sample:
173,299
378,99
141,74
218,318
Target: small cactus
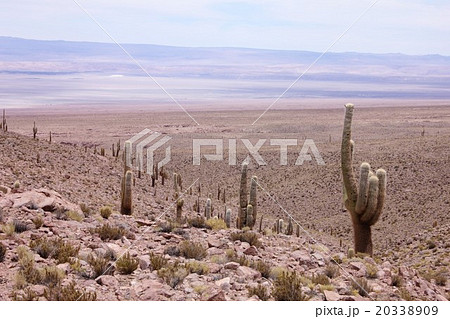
350,253
290,228
4,126
208,209
280,226
126,207
175,182
228,217
180,203
35,130
364,201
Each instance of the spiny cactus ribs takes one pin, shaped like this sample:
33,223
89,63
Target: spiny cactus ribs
364,201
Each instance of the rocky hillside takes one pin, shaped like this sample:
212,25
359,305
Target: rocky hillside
62,238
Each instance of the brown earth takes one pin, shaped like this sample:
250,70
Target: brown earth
411,239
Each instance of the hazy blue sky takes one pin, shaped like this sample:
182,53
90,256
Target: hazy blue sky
407,26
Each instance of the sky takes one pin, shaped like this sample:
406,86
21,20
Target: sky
391,26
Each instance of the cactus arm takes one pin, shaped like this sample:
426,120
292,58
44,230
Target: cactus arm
381,174
350,187
372,200
361,201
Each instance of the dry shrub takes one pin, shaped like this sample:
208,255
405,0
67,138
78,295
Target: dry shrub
260,291
332,271
287,287
362,286
173,274
68,293
105,212
192,250
157,261
99,266
197,222
197,267
248,237
108,232
126,264
38,221
216,224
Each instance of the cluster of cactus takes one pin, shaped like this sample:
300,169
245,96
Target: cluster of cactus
3,124
364,202
115,152
35,130
247,207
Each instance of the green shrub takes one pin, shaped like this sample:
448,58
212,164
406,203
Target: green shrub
68,293
192,250
287,287
248,237
105,212
126,264
51,276
259,291
157,261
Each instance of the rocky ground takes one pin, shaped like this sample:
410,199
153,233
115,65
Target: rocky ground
53,196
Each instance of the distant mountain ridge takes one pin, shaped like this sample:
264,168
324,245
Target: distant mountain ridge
242,72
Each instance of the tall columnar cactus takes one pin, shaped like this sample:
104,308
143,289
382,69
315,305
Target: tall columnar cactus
228,217
127,156
208,208
252,200
290,228
175,182
243,200
180,203
35,130
364,201
126,207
